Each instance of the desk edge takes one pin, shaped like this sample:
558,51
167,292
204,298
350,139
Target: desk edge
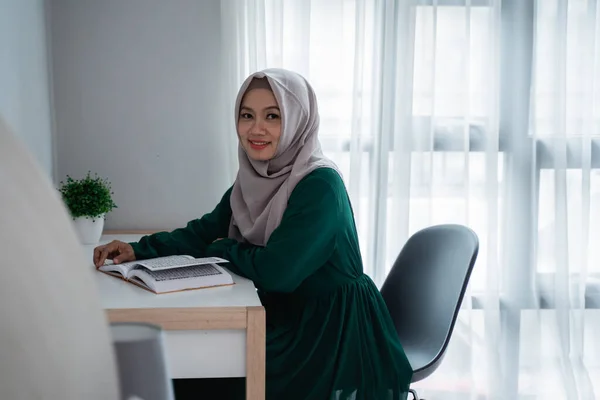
200,318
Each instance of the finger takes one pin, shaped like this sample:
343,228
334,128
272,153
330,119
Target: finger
96,254
113,249
118,254
103,255
121,255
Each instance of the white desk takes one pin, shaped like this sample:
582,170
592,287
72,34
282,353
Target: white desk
214,332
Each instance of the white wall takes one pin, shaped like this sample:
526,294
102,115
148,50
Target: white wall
136,89
24,90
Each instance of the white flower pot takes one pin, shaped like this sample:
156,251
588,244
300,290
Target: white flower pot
89,230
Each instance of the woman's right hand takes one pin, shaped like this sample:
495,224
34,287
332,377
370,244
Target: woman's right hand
117,251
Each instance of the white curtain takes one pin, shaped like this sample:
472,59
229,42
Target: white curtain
479,112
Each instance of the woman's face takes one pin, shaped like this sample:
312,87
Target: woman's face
259,124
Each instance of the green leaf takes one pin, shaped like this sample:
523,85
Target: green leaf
89,197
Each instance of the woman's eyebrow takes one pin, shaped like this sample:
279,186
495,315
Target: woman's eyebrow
266,108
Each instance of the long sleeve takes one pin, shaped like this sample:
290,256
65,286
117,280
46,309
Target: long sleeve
191,240
303,242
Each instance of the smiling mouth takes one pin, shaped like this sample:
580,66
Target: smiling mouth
258,145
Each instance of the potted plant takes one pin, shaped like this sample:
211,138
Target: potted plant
88,200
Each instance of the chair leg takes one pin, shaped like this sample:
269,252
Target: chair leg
414,394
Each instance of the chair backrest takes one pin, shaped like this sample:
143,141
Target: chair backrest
141,361
424,291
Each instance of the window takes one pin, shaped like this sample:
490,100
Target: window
451,115
579,195
565,128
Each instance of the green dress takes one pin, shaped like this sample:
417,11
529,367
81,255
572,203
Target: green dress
329,333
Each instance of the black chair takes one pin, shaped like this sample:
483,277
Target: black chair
424,291
141,361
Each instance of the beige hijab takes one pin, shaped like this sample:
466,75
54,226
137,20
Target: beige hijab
262,188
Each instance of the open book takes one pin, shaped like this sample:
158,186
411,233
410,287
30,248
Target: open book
172,274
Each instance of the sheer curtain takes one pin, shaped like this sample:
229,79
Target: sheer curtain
478,112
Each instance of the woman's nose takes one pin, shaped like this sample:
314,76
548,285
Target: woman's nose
258,128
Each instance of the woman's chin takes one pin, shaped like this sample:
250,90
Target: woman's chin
260,155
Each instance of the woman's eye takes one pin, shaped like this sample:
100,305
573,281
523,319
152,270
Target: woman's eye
272,116
246,116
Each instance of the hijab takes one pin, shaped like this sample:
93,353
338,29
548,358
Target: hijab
262,188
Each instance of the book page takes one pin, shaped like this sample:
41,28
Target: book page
126,267
122,269
164,263
184,278
194,271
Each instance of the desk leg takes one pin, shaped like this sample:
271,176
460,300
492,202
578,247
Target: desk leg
255,353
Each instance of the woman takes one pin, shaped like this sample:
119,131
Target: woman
287,224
